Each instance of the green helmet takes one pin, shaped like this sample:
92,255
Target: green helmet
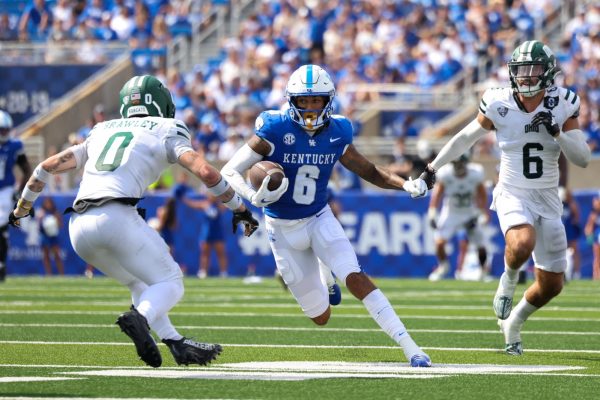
146,95
532,68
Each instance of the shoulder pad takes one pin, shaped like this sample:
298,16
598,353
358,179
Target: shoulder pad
178,128
268,118
490,96
571,101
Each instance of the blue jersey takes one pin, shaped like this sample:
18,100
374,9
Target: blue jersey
9,152
307,161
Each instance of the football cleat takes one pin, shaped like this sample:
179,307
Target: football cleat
186,351
335,294
135,325
514,349
502,306
420,360
503,299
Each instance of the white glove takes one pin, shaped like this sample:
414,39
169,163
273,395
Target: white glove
416,188
263,197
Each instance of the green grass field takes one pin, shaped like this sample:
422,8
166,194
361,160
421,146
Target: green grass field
58,339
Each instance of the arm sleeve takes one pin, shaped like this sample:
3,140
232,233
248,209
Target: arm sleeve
177,141
573,144
175,147
233,171
459,144
80,153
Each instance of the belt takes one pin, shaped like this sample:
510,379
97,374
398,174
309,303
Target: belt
83,204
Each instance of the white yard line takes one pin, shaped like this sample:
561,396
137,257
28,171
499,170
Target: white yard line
217,304
302,329
290,315
297,346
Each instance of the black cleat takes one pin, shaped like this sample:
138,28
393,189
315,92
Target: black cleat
135,325
187,351
2,273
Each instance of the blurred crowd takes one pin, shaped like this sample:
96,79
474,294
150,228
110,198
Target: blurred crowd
418,42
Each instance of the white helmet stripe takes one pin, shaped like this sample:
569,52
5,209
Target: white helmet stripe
141,80
157,108
530,47
130,83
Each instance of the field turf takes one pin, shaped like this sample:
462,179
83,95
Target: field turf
58,339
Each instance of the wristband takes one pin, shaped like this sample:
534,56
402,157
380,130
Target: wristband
234,203
41,174
219,188
30,195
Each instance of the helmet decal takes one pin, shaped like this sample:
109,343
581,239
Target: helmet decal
146,96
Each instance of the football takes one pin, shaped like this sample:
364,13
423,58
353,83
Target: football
261,169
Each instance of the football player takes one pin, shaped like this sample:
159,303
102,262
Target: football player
11,154
534,121
120,158
461,187
307,140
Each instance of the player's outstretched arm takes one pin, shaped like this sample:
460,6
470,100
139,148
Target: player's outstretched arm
66,160
462,141
353,160
220,188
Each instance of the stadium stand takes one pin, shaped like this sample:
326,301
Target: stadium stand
403,68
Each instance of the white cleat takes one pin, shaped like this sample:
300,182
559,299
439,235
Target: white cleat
503,299
512,338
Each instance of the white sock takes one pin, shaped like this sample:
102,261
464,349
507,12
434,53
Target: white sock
519,315
444,265
382,312
512,274
159,298
569,271
524,309
164,328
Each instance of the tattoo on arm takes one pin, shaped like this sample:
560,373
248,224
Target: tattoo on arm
259,145
378,176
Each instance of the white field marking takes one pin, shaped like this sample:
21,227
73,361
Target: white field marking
12,379
289,315
303,329
387,367
299,346
289,305
226,366
303,370
248,375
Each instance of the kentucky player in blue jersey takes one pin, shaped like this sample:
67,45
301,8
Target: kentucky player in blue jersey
11,155
307,140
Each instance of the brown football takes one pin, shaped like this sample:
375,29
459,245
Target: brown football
261,169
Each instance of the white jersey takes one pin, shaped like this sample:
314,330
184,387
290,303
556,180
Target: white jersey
121,157
460,192
529,155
